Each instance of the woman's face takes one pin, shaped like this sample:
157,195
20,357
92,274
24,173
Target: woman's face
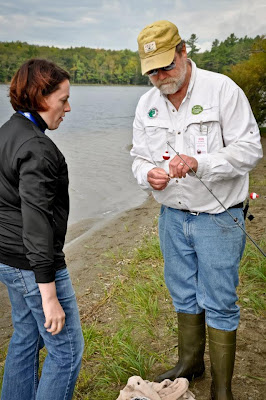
58,105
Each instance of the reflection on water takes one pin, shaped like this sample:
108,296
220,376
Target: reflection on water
95,138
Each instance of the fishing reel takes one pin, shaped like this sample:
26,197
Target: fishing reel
247,214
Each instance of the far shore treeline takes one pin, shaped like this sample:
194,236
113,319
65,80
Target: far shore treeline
243,59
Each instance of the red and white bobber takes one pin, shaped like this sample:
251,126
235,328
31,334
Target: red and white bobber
253,195
166,155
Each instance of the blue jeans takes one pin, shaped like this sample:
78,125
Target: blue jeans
201,259
62,364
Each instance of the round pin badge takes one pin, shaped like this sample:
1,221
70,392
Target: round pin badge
196,109
153,112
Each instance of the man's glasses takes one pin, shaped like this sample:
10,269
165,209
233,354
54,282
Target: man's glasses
154,72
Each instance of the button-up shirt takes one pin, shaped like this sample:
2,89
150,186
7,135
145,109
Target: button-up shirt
213,124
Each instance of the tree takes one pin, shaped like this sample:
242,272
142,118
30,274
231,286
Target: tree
87,65
251,77
192,44
231,40
215,44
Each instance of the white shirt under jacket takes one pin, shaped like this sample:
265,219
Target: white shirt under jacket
227,129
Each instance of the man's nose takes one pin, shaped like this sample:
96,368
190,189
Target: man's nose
162,74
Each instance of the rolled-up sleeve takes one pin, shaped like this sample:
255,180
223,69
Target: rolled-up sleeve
242,146
142,163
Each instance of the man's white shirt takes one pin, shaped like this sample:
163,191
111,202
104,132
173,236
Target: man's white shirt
213,124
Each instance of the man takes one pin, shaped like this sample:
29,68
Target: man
206,118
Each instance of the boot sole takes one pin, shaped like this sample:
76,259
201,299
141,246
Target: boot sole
189,377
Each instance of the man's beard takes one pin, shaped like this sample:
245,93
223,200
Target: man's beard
173,84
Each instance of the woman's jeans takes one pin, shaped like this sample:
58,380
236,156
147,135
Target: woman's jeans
62,364
201,255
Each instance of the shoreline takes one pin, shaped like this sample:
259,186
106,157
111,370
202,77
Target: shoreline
87,243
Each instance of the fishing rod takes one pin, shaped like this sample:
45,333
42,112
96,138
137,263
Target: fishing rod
228,212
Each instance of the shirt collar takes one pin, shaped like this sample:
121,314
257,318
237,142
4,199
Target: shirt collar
37,119
43,125
192,78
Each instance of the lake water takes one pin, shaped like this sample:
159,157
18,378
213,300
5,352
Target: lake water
95,139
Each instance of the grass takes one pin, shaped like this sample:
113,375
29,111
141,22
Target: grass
129,342
141,298
252,276
263,130
109,360
3,353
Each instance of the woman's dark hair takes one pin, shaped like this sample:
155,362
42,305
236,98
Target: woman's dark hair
35,79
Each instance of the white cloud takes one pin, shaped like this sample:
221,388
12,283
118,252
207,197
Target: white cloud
88,20
115,24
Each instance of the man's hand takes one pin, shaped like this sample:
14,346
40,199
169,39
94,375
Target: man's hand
53,311
178,169
158,178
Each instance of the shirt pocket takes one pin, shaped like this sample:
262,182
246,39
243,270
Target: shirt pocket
158,133
203,133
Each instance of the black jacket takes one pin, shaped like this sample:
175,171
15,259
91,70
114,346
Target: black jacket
34,201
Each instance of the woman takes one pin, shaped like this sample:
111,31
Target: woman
34,207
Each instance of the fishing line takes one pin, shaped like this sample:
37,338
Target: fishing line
228,212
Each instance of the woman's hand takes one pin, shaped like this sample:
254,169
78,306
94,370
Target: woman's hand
53,311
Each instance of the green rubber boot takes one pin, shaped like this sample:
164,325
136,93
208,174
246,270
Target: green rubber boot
222,348
191,347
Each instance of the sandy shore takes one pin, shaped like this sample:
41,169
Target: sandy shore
86,246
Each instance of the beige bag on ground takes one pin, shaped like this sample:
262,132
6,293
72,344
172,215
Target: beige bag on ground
138,389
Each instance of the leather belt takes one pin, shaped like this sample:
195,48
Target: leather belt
239,205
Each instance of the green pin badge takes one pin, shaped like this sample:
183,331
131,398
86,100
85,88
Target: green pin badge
153,112
196,109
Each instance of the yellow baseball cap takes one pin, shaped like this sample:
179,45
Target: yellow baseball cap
157,43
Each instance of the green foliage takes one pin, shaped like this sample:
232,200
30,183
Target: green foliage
85,65
191,43
100,66
225,54
250,75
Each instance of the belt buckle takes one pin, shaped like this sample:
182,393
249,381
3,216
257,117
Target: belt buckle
195,213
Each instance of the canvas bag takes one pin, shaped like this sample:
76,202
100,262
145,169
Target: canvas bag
138,389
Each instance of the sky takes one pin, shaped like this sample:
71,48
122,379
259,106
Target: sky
115,24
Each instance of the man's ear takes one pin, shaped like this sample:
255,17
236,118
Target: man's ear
184,50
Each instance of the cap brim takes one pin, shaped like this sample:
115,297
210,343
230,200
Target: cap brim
157,61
